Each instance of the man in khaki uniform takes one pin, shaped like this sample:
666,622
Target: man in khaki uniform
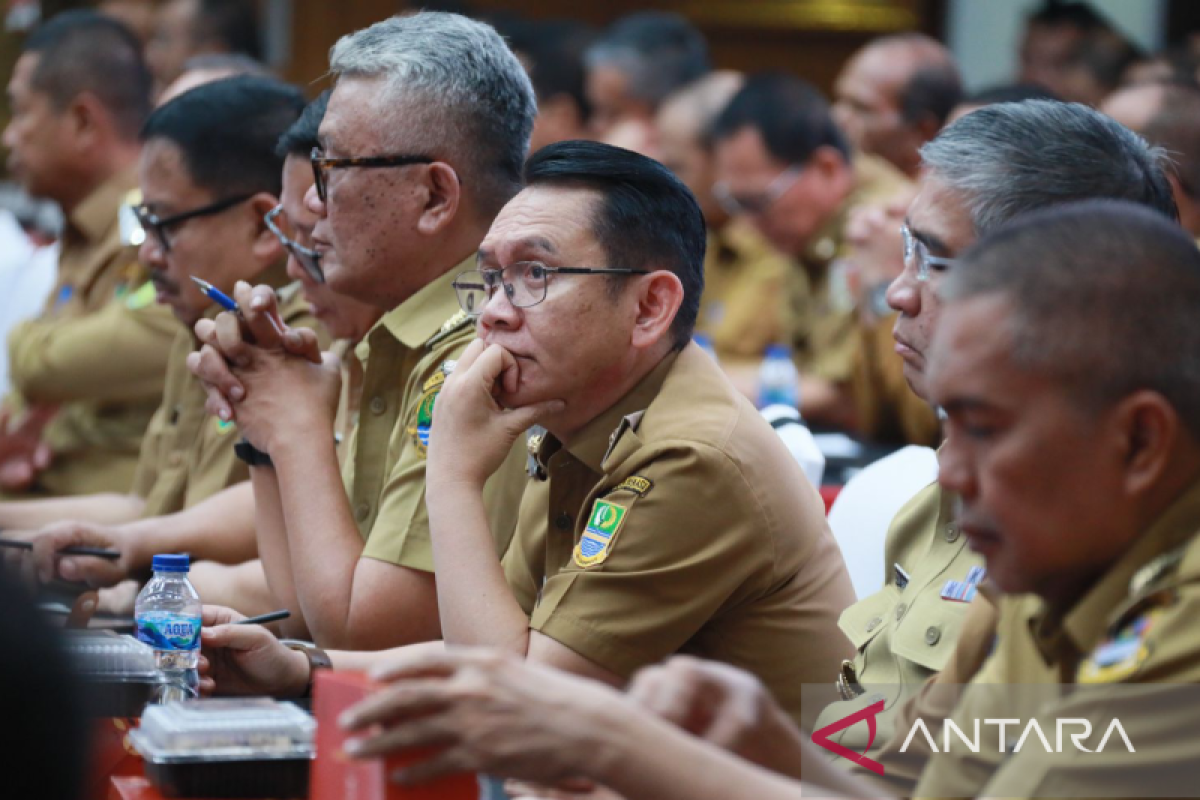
91,367
907,630
187,457
357,538
783,163
741,311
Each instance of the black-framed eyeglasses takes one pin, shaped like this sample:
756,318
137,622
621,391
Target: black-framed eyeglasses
153,224
308,259
526,285
917,257
321,166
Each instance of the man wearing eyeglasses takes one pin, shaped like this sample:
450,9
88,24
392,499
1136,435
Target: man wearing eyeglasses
209,173
783,165
988,167
88,372
422,143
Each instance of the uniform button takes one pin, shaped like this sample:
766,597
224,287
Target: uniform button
362,511
933,635
900,609
951,533
874,623
378,405
564,521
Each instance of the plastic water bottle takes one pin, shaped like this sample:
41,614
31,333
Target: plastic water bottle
167,617
778,380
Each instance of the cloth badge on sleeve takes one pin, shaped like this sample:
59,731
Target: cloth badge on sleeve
1119,656
964,591
600,534
422,420
636,484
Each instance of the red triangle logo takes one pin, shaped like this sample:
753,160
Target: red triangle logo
821,737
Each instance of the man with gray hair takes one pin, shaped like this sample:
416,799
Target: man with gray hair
980,172
632,68
421,144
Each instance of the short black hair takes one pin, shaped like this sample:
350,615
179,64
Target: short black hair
1104,296
1009,93
231,23
647,219
660,51
553,54
301,138
1069,13
84,51
790,114
227,131
932,91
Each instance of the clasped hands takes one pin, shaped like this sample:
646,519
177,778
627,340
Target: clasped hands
271,379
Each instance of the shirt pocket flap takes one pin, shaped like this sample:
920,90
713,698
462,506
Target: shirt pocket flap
863,621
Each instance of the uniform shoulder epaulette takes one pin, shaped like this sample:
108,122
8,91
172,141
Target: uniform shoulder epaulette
451,326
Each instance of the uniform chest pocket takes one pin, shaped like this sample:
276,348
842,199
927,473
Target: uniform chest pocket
928,632
864,620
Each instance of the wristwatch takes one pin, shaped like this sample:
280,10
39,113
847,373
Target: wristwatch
252,455
317,659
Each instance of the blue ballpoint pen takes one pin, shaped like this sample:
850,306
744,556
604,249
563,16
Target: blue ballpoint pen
228,303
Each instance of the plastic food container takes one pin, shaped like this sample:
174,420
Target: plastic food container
227,748
118,672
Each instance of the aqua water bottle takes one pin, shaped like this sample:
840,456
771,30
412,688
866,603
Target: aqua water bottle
167,617
778,380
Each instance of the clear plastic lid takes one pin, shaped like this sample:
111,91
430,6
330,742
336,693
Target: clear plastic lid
234,728
105,654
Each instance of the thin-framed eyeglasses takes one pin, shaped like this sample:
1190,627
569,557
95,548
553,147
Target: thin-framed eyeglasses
308,259
525,286
152,223
734,204
918,259
322,165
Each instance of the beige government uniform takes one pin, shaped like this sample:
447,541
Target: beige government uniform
887,408
1136,625
742,308
677,522
907,631
384,471
99,349
822,318
187,455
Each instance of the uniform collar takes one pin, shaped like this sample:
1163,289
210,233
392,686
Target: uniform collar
1087,622
415,321
593,441
95,216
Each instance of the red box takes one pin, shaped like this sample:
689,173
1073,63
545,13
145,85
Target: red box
336,776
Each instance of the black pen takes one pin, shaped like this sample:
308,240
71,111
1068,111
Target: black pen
263,619
95,552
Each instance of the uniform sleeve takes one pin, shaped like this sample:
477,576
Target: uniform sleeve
668,562
118,354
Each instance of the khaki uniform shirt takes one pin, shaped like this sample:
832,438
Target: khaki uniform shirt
742,308
99,349
187,455
907,631
384,472
887,409
823,322
1136,625
676,521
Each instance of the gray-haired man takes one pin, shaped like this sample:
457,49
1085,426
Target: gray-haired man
421,145
990,166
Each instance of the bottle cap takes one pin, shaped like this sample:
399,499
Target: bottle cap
778,351
171,563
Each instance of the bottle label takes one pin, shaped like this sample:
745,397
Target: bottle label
169,631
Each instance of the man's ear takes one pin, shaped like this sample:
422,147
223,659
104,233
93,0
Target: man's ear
828,162
88,118
444,193
1148,429
267,248
659,296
